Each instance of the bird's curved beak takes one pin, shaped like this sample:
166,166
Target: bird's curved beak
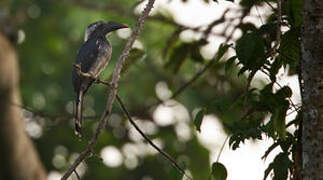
123,26
113,26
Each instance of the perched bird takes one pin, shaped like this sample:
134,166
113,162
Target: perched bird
92,58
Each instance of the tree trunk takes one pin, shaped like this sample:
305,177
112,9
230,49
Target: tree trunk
18,157
312,91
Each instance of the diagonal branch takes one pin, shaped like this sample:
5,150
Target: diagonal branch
113,91
133,123
206,33
163,153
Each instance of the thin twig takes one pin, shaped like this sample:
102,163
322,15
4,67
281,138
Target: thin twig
125,110
218,158
113,89
77,175
172,40
211,62
41,114
163,153
222,147
271,6
96,155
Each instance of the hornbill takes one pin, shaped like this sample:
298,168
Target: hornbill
92,58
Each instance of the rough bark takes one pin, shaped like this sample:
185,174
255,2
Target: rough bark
312,91
18,157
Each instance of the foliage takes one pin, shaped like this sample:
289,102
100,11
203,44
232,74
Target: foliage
256,52
54,32
198,119
219,171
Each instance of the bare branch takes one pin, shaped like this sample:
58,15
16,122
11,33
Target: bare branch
113,90
77,175
211,62
125,110
163,153
222,147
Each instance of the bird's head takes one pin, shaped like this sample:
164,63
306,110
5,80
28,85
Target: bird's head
101,28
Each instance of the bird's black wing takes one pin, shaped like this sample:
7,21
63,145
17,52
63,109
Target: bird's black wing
86,56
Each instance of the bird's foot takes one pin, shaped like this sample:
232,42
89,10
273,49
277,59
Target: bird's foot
80,73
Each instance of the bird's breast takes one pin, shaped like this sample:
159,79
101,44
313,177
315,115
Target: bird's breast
103,57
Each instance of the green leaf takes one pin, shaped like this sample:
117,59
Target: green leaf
269,129
250,51
198,119
286,143
266,95
294,9
178,56
289,50
274,68
234,141
229,63
247,27
195,53
242,70
281,165
268,151
269,29
223,48
268,170
219,172
249,3
134,55
284,92
278,118
174,172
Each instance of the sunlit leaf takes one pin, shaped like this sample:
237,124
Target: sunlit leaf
198,119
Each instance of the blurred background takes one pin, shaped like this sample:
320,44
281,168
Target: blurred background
170,50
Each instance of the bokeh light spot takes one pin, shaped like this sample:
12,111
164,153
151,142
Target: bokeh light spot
112,157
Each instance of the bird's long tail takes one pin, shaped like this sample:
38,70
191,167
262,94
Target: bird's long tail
78,114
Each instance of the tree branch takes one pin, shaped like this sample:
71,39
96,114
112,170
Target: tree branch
212,61
124,109
113,90
163,153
